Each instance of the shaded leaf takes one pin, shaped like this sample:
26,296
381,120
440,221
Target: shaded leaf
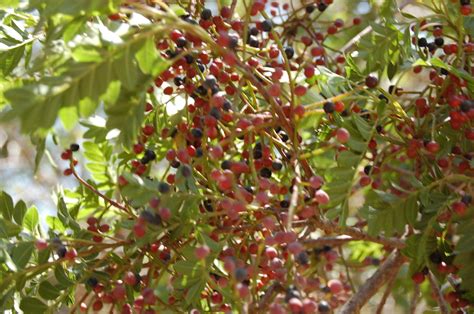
30,305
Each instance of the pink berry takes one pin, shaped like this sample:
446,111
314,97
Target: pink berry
295,305
316,182
321,197
335,285
202,252
165,213
342,135
129,278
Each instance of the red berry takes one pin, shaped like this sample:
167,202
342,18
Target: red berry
138,148
432,147
418,278
300,90
41,244
299,111
216,297
317,51
139,230
371,81
365,180
332,30
226,12
97,305
466,10
71,254
459,208
92,221
122,181
66,155
104,228
114,16
148,130
309,71
339,106
417,69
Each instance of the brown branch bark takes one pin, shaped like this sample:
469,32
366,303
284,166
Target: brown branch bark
95,191
356,234
386,294
414,299
331,241
438,295
266,299
373,284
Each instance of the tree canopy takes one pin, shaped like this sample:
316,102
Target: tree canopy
241,156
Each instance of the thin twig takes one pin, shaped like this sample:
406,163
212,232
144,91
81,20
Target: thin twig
294,196
356,234
373,284
330,241
348,274
95,191
386,294
438,295
268,297
414,299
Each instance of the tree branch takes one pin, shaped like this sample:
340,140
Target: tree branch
373,284
95,191
356,234
331,241
414,299
267,298
438,295
386,294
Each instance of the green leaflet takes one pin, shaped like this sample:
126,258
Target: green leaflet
21,253
340,179
30,305
389,213
76,8
98,155
48,291
6,206
8,229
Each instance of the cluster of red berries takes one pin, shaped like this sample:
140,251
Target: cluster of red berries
68,155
